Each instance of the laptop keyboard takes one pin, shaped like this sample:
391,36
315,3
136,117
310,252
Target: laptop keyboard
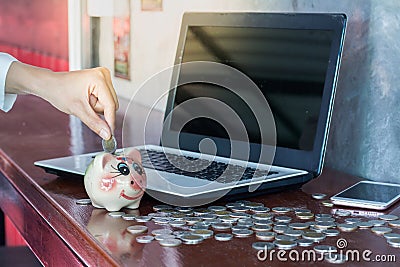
211,171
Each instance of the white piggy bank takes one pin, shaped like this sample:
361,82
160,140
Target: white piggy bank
116,181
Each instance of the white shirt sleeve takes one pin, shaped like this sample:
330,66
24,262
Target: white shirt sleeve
6,100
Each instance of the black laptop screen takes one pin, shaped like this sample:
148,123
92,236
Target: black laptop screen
288,66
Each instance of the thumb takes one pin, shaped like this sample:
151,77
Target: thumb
89,117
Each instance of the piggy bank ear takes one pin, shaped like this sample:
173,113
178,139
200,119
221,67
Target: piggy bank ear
134,154
103,158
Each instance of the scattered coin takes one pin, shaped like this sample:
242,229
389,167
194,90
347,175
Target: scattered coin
223,237
391,235
245,224
260,209
216,208
129,217
228,219
116,214
322,215
325,249
335,258
388,217
263,216
347,227
110,145
394,242
331,232
239,208
161,207
267,236
280,229
201,211
301,210
327,203
242,233
377,222
192,220
179,234
298,226
282,209
144,239
163,237
203,233
221,226
284,219
364,225
316,237
200,226
261,228
395,223
343,213
304,242
162,220
222,213
292,232
318,196
143,218
305,215
137,229
285,237
191,239
263,245
352,220
284,244
239,215
252,205
163,231
381,230
170,242
324,219
83,201
325,225
263,222
177,223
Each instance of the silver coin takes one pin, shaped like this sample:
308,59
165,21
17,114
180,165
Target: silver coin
110,145
192,220
280,229
116,214
281,209
285,244
284,219
137,229
395,223
242,233
391,235
83,201
301,210
170,242
364,225
298,226
267,236
221,226
262,216
285,237
325,225
304,242
228,219
203,233
191,239
229,205
260,209
263,222
179,234
239,208
263,245
254,205
261,228
216,208
327,203
343,213
322,215
347,227
129,217
161,207
292,232
200,226
184,209
210,222
223,237
222,213
335,258
316,237
162,220
281,224
143,218
377,222
200,211
394,242
379,230
388,217
245,220
305,215
163,231
352,220
177,223
178,216
163,237
318,196
245,224
324,219
239,215
331,232
325,249
144,239
318,230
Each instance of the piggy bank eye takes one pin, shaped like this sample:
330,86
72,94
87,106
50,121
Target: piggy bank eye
123,168
137,168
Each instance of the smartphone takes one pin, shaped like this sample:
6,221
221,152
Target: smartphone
368,195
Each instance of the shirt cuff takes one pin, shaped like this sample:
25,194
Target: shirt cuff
6,100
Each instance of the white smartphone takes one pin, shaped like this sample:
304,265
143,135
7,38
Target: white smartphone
369,195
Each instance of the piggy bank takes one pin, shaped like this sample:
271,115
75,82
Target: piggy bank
116,181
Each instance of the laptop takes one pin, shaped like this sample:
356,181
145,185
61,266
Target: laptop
293,61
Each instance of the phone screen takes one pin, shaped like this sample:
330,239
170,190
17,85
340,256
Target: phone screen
371,192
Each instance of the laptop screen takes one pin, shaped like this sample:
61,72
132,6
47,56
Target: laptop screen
288,66
292,58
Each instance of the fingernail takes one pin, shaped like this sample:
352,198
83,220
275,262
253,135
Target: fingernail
104,134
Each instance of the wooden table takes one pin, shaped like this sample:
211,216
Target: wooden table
61,233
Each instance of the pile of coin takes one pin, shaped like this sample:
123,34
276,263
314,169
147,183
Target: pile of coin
278,227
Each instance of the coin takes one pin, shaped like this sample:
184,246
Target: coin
304,242
179,234
162,220
191,239
301,210
228,219
84,201
280,229
163,237
192,220
246,224
161,207
281,209
265,235
325,225
239,208
201,211
216,208
388,217
305,215
116,214
331,232
347,227
143,218
177,223
137,229
129,217
253,205
144,239
170,242
261,228
377,222
242,233
221,226
262,216
284,219
394,242
314,236
200,226
239,215
352,220
110,145
395,223
322,215
327,203
364,225
263,222
325,249
391,235
298,226
222,213
381,230
343,213
260,209
203,233
292,232
263,245
318,196
162,231
335,258
223,237
284,244
285,237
